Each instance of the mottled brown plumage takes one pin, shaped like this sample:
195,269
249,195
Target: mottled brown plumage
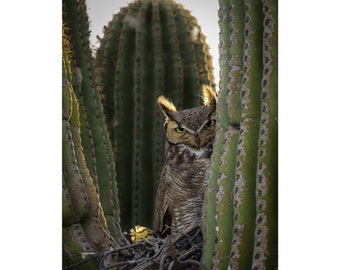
189,140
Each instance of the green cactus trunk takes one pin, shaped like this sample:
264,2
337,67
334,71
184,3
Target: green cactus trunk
94,134
88,166
240,224
84,224
149,48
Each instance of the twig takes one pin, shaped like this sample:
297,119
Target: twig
174,254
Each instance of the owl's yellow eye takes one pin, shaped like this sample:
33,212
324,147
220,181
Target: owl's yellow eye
179,130
211,123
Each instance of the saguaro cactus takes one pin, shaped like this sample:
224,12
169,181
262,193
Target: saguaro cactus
240,225
88,166
155,47
149,48
84,225
94,134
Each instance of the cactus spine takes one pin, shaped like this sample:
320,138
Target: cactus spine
149,48
240,226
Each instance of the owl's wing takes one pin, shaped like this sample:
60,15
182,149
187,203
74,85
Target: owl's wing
162,213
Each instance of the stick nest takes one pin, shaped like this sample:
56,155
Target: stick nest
182,250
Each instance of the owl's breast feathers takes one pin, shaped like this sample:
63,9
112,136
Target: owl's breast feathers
181,188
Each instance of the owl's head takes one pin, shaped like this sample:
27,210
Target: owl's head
194,127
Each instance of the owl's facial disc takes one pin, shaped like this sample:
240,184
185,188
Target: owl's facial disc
196,139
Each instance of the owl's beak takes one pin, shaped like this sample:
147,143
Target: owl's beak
197,140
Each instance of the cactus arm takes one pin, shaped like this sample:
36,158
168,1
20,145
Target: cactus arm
244,195
222,123
225,182
76,199
240,166
84,224
265,254
80,198
244,165
71,13
94,135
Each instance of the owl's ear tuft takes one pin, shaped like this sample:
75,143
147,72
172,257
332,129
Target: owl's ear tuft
209,96
167,107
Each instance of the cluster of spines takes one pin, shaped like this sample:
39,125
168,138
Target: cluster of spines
240,224
148,49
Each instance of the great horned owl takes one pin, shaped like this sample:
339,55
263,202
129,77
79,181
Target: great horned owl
189,141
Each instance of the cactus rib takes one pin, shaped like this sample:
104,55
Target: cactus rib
209,218
244,195
265,244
